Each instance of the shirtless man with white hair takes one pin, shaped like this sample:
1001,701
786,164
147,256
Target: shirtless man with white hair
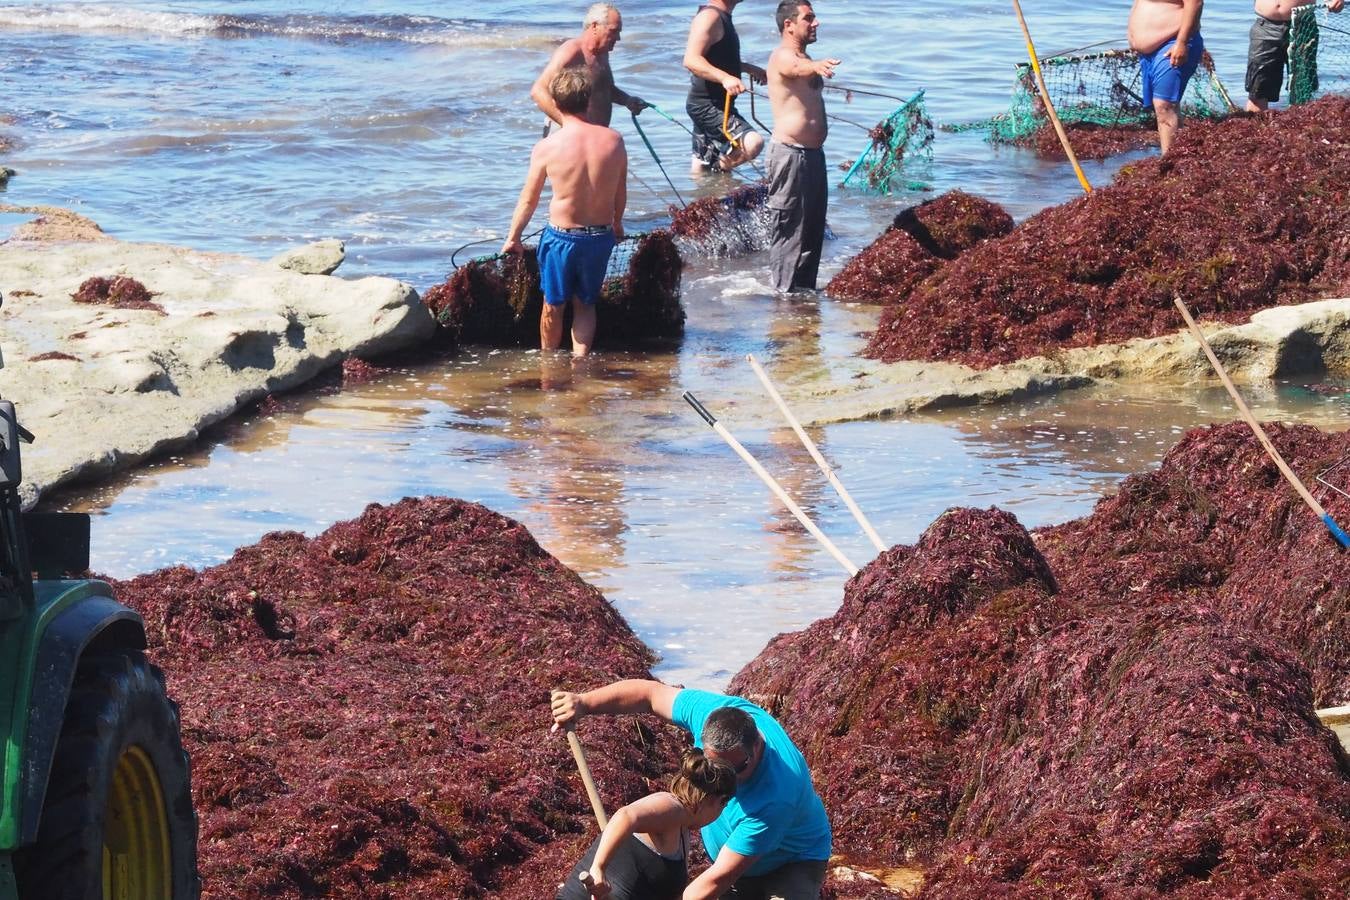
1166,35
1268,49
599,33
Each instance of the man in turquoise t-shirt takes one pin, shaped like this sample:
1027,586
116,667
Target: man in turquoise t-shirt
773,838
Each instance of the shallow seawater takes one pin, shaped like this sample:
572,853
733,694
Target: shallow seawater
403,128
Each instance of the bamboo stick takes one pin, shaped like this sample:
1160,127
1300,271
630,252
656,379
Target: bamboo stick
1260,432
1050,107
773,485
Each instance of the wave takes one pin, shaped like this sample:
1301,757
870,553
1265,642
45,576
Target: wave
76,17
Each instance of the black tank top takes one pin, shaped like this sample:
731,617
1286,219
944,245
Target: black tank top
725,55
636,872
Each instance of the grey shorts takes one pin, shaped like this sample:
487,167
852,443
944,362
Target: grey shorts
709,141
1267,53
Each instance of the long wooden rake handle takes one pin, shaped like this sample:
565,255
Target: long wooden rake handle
773,485
1045,95
811,448
597,806
1255,426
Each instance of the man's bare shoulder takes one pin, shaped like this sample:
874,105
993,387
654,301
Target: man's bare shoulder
569,53
783,56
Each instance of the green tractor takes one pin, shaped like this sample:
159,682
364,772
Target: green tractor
96,800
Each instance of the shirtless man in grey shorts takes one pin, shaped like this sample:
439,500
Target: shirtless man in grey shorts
798,189
1268,49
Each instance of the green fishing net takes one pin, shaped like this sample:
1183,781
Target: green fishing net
1101,89
1319,52
904,135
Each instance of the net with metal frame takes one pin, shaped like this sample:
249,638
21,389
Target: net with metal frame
1319,53
496,300
901,137
1097,89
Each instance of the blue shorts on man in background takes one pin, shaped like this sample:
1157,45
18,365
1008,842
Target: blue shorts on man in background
573,261
1164,81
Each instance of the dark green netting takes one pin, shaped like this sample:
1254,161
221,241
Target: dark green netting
1101,89
904,135
1319,53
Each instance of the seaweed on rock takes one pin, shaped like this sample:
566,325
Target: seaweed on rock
119,292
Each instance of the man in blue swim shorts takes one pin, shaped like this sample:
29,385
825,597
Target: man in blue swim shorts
1166,35
587,167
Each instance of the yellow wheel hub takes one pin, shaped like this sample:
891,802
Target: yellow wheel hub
136,851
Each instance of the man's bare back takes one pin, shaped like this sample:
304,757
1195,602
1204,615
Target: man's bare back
1153,23
586,165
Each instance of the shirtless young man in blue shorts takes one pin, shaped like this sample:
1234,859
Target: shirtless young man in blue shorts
772,840
587,167
1166,35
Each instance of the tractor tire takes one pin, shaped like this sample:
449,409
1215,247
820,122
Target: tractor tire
118,821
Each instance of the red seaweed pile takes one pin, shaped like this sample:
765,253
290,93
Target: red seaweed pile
120,292
1118,706
367,710
725,225
1242,215
920,239
497,301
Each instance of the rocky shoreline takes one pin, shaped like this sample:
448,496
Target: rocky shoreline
105,388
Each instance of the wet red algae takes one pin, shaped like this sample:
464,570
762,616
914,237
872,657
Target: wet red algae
120,292
53,354
367,710
707,215
1242,215
1120,706
497,301
357,371
920,239
1092,141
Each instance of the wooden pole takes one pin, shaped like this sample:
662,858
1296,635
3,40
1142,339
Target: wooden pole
1256,428
773,485
811,448
1045,96
580,756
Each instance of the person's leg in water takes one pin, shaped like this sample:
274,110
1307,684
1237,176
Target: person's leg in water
748,147
551,326
583,326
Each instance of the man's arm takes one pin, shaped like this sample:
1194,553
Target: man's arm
705,31
790,65
569,54
622,698
528,202
1190,24
718,878
621,196
622,98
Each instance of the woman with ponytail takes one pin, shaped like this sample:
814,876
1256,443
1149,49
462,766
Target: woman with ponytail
643,852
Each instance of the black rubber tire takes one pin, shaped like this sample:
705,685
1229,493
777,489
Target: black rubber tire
117,702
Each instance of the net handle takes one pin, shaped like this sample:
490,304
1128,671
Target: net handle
1045,95
726,118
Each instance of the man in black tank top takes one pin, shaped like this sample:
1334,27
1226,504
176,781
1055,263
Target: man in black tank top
713,57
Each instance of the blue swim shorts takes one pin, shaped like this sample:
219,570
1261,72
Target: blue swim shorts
1162,80
572,263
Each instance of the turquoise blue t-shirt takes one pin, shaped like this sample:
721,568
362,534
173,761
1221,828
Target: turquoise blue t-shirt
776,815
